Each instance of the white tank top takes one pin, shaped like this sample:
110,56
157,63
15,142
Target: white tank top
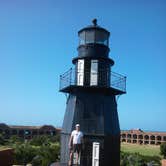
77,135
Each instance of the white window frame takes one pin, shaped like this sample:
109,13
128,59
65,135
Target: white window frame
80,72
94,73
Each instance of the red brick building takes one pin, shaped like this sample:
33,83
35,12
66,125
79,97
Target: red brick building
142,137
27,132
129,136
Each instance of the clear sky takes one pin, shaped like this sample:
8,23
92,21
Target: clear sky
38,39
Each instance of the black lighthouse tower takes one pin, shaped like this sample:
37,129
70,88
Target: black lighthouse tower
92,89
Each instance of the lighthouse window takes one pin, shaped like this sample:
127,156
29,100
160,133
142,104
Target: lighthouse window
80,72
101,38
82,38
90,36
94,73
93,36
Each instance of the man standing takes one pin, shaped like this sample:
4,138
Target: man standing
75,143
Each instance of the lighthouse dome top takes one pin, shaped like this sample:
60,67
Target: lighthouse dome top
93,34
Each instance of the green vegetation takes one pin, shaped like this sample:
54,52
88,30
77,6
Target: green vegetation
145,150
37,155
140,155
135,159
43,150
163,149
40,151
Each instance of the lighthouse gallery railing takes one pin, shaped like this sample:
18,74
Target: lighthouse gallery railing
117,81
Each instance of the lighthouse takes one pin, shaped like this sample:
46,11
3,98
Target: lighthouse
92,89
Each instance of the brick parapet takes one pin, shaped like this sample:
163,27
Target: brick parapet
142,137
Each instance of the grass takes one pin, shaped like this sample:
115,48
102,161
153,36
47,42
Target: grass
145,150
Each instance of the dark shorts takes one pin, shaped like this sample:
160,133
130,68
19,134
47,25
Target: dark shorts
77,148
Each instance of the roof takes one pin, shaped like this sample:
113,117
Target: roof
94,26
136,131
27,127
24,127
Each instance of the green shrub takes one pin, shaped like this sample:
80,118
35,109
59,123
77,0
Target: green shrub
37,155
163,149
49,154
39,140
24,153
15,139
135,159
55,138
2,140
37,161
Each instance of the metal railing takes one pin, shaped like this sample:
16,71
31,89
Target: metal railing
106,79
118,81
67,79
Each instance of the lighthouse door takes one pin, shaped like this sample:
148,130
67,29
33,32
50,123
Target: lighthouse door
80,72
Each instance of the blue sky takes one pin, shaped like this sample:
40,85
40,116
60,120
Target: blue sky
38,39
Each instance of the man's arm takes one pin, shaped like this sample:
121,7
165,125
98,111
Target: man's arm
70,141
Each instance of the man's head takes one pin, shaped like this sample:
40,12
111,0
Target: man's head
78,127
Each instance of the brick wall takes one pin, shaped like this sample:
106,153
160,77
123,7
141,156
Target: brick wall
6,157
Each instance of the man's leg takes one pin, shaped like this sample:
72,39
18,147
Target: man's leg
71,157
78,153
77,156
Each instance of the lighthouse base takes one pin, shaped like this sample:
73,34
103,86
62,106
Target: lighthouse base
97,115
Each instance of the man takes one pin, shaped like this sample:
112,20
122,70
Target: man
75,143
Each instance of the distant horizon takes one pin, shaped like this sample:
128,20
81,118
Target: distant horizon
61,127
